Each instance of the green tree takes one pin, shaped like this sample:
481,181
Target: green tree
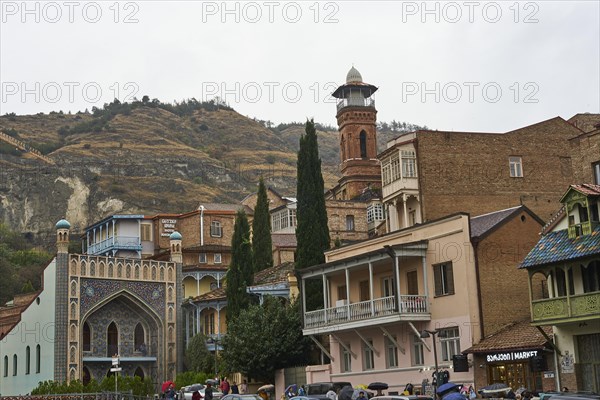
241,269
264,338
312,232
197,356
261,231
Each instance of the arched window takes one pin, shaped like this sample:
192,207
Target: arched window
139,339
38,358
139,372
86,376
14,365
27,360
5,365
363,144
86,337
112,340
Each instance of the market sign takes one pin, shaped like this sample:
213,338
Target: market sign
511,356
168,227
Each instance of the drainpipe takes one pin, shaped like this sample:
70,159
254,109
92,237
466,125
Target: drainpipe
201,225
475,242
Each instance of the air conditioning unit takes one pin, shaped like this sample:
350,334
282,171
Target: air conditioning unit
341,303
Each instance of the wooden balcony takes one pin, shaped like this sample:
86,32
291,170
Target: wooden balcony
566,309
367,313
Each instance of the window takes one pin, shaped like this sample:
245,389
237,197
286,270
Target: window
283,219
349,222
342,292
86,337
363,144
38,358
5,365
561,284
409,165
14,365
444,280
139,341
346,358
375,212
387,287
146,232
391,353
27,360
202,258
217,258
368,356
215,229
412,283
417,353
590,276
516,167
364,291
209,324
450,343
596,172
112,335
390,170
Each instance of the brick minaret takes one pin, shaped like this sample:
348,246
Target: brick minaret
61,326
175,241
357,119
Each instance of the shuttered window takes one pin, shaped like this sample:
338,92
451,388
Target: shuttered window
444,279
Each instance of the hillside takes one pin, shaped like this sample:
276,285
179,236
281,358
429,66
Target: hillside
144,157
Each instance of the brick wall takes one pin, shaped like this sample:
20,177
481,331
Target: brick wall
504,287
470,171
337,210
585,150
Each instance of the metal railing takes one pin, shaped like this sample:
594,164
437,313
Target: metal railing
355,102
120,242
363,310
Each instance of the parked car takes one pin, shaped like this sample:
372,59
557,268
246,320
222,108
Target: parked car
575,396
241,397
321,388
402,397
185,393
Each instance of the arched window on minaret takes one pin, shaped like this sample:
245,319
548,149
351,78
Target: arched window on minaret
363,144
138,337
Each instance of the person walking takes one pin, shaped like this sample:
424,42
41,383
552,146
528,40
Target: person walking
244,387
225,386
208,392
235,389
170,392
361,396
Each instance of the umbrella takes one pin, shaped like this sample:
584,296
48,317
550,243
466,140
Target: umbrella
166,385
213,382
378,386
346,393
292,389
495,388
266,388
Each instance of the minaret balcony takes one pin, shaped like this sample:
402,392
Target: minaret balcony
355,102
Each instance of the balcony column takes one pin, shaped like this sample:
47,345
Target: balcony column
567,289
303,287
529,286
325,302
425,280
371,289
347,293
218,330
197,284
187,327
87,250
113,232
405,214
397,271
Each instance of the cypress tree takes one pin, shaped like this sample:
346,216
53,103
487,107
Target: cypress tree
261,231
312,232
241,270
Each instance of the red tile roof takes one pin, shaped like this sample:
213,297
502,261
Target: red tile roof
284,239
516,336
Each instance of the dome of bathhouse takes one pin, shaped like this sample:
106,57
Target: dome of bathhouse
175,236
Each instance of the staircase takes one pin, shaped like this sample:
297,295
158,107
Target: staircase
25,147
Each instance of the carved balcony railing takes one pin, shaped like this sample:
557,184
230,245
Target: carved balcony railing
115,242
566,309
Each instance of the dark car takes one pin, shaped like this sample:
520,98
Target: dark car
402,397
321,388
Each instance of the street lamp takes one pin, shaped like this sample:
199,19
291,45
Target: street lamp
215,342
425,334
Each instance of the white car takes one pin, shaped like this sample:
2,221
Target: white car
185,393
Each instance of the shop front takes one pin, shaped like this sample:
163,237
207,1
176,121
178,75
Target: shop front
519,356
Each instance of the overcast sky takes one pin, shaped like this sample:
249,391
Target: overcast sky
464,66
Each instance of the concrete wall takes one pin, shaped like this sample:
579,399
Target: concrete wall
35,328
